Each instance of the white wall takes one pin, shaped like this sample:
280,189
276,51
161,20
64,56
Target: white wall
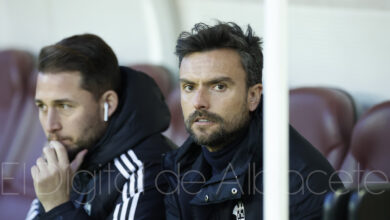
347,48
329,45
133,28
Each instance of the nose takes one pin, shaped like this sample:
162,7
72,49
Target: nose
52,122
201,100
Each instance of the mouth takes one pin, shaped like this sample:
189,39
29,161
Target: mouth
203,121
64,141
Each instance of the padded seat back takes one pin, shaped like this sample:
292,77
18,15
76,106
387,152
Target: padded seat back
160,74
325,117
370,144
16,86
177,131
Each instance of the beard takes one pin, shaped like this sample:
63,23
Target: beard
79,145
88,137
227,132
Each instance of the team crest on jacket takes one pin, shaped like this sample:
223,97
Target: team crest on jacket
87,208
239,211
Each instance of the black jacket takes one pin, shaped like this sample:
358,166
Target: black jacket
236,193
117,178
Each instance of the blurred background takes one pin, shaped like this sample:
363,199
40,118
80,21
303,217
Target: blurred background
341,43
338,60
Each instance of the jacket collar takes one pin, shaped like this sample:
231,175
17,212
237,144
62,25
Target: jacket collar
230,183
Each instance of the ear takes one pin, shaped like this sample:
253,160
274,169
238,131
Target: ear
111,98
254,96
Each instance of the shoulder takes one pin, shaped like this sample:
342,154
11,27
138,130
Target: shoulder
186,154
310,172
154,146
304,156
128,163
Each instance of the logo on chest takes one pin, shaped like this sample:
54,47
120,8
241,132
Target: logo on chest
239,211
87,208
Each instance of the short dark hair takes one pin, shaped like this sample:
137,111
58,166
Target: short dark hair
88,54
225,35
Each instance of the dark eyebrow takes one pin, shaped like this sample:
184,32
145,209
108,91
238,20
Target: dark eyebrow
183,80
210,82
220,79
58,101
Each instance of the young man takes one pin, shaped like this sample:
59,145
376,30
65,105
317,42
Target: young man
217,173
103,124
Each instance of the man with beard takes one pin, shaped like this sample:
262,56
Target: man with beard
217,173
103,124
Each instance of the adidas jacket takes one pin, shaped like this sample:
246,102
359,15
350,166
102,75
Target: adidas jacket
117,177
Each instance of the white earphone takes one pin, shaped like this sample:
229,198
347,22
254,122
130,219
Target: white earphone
105,111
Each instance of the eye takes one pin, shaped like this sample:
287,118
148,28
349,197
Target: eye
41,107
188,87
220,87
65,106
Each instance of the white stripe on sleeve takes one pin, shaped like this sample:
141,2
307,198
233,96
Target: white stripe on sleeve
34,210
127,162
121,169
116,212
132,185
124,209
140,180
135,158
133,206
124,191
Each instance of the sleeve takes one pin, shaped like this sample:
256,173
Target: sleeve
307,194
66,211
141,197
309,208
34,210
145,205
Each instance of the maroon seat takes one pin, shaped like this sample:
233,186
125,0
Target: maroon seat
160,74
325,117
176,131
15,74
21,136
370,144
